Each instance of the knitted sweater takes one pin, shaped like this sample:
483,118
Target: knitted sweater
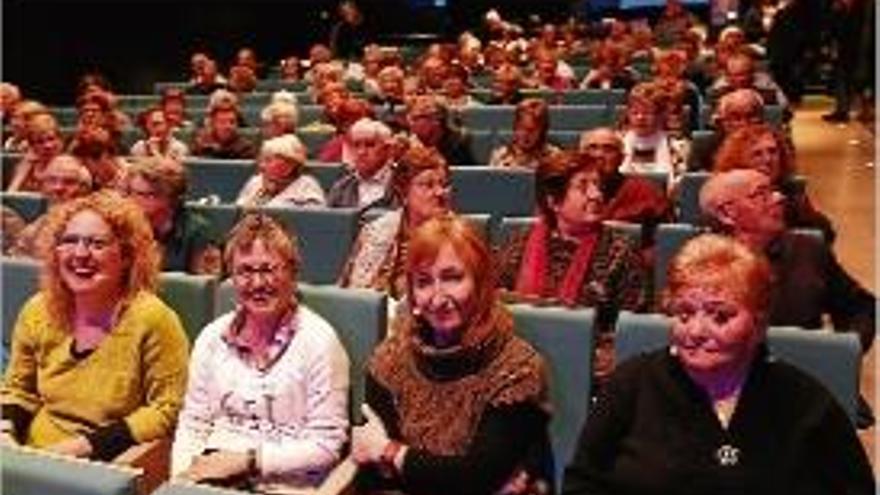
137,374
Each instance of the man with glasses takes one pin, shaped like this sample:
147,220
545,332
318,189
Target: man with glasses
367,180
809,280
158,186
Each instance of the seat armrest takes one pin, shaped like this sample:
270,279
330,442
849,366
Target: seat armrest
154,458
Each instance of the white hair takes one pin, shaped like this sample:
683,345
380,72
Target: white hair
366,128
287,146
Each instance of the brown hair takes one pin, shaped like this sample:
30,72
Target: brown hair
537,109
428,239
273,234
165,174
416,159
733,152
131,229
553,175
721,263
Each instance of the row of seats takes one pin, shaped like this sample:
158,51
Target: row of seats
577,117
133,103
563,336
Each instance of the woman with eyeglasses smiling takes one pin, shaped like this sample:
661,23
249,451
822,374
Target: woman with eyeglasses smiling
420,181
267,403
98,361
715,412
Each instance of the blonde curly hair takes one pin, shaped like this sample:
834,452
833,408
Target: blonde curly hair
130,227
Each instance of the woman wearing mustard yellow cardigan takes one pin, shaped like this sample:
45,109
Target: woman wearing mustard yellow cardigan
98,362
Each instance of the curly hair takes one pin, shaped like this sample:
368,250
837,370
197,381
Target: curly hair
416,159
131,229
733,152
272,233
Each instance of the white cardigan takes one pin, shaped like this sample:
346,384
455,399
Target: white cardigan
295,414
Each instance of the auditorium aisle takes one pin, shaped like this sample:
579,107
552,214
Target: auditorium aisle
839,161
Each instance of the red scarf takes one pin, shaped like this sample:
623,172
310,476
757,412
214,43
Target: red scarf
535,265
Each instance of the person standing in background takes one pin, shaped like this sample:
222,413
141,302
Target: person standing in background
348,36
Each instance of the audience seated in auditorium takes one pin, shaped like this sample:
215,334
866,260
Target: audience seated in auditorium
342,117
809,281
64,179
507,80
220,138
388,102
669,77
247,57
674,23
627,198
280,180
528,145
428,121
549,72
740,73
761,147
242,79
377,259
95,147
158,140
185,239
173,104
291,69
367,179
569,257
611,70
206,77
647,146
714,411
98,361
10,97
266,407
15,130
455,89
280,116
10,230
44,142
734,110
456,401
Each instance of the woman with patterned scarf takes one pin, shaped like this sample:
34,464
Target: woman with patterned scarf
457,403
568,257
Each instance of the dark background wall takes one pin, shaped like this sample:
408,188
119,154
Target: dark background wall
48,44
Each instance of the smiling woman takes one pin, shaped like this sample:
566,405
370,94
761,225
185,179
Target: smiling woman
714,408
267,402
95,321
457,402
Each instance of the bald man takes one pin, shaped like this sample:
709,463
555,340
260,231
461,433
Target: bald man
809,280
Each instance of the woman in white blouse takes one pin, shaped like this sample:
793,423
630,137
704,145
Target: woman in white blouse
266,406
280,181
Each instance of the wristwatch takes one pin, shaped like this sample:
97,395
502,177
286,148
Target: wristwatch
386,461
252,467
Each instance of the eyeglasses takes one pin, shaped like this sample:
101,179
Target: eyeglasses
432,184
93,243
249,273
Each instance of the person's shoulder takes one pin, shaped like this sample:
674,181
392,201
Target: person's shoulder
211,334
148,307
315,327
